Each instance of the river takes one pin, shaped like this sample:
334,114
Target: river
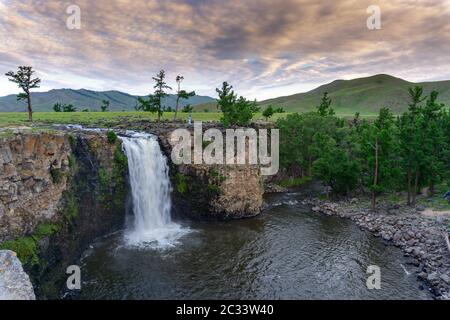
287,252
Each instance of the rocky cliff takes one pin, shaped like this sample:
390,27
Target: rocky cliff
59,191
217,192
210,192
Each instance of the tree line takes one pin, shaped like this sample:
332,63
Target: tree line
391,153
236,110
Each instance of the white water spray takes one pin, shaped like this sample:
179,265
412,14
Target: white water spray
150,189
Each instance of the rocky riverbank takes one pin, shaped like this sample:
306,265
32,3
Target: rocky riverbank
420,236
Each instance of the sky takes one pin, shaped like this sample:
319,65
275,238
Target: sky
264,48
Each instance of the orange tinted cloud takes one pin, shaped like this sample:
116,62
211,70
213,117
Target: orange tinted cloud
264,47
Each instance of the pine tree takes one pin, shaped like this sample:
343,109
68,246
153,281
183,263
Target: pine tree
24,79
378,154
324,109
159,94
236,111
411,142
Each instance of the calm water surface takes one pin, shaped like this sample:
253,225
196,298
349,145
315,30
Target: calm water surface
286,253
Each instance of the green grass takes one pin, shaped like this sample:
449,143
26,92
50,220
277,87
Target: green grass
437,202
108,119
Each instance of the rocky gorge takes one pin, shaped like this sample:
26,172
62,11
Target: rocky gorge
61,189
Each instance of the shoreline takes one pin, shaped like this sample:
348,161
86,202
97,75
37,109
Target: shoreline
419,236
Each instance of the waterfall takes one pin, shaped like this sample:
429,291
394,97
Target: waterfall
151,225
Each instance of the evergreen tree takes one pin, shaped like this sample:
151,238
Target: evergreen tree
57,107
160,93
325,109
411,141
25,81
268,112
236,111
379,154
105,105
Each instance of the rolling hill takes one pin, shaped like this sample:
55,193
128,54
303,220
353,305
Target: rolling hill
364,95
86,99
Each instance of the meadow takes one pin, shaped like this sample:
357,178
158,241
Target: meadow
111,118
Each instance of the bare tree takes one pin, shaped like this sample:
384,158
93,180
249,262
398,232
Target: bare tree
24,80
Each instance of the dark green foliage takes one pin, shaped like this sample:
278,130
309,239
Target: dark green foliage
112,181
386,155
72,162
334,165
105,105
57,175
324,109
59,107
181,182
70,210
154,102
188,108
24,80
112,137
268,112
69,108
236,111
293,182
72,140
27,247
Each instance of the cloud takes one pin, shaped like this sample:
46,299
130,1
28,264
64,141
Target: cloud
265,48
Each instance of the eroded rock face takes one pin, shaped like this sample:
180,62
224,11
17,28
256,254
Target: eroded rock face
14,282
58,192
218,192
29,164
212,191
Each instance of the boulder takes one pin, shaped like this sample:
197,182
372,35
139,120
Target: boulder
14,282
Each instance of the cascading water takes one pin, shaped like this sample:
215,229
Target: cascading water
150,189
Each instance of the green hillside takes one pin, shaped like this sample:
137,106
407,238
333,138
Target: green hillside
364,95
86,99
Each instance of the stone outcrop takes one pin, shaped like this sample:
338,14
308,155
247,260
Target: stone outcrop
61,190
218,192
209,191
14,282
29,164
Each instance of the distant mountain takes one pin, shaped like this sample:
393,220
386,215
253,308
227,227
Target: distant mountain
364,95
87,99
